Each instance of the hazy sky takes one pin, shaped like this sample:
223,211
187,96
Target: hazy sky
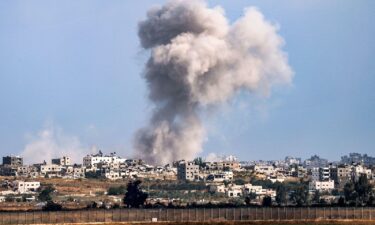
70,79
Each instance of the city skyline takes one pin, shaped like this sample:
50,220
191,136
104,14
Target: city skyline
68,83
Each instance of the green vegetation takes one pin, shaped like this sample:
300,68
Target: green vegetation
359,192
45,194
134,196
116,190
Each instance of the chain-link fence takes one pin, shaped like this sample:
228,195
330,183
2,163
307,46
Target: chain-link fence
186,215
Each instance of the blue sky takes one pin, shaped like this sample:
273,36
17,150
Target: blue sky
77,65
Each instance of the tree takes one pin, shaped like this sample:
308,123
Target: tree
239,181
363,188
93,174
300,195
251,196
358,192
341,202
52,206
281,195
316,197
371,201
45,194
134,196
267,201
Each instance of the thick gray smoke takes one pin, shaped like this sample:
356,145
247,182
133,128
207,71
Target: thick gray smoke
198,59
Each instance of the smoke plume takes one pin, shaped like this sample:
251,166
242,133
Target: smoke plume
197,60
52,142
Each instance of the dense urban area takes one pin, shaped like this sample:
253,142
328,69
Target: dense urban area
110,181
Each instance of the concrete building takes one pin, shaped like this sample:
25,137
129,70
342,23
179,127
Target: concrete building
95,159
341,174
63,161
265,169
315,161
358,158
324,174
12,160
25,187
322,185
289,160
220,177
314,173
223,165
187,171
51,169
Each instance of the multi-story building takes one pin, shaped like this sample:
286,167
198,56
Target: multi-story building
12,160
187,171
358,158
315,174
10,164
220,177
341,174
94,160
265,169
63,161
25,186
322,185
359,170
315,161
324,174
51,169
289,160
223,165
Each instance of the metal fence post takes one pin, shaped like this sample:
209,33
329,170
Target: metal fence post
354,212
264,213
370,211
256,213
278,213
330,213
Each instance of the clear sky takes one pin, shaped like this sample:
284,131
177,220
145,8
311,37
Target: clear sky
74,68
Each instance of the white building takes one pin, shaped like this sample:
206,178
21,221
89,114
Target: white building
94,160
249,188
220,177
50,169
322,185
233,190
265,169
25,186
